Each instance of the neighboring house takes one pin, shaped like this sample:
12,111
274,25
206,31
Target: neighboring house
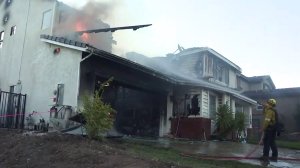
255,83
288,107
262,88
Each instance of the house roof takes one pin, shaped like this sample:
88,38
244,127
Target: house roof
256,79
265,94
202,49
168,76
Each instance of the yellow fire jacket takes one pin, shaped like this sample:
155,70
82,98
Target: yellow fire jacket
269,117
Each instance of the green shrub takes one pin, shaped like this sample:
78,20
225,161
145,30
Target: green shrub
99,116
224,121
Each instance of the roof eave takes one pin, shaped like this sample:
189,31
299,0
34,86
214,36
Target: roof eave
65,45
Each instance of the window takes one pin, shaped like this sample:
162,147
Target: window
221,73
208,66
13,30
1,38
47,18
259,107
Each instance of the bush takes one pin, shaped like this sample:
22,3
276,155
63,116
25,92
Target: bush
224,121
98,115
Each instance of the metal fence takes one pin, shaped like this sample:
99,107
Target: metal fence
12,110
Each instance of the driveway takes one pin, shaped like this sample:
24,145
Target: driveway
227,149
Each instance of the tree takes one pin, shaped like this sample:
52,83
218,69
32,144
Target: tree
224,121
99,116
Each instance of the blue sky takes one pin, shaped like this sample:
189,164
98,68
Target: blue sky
260,36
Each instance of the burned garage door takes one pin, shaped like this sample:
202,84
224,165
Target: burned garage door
138,110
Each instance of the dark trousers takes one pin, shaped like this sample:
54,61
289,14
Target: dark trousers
269,142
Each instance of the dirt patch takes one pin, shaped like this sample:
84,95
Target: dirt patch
68,151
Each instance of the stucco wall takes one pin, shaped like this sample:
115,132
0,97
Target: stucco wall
12,52
35,65
41,75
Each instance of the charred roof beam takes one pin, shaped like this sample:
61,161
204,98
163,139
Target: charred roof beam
113,29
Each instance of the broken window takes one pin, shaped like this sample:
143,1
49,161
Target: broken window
47,19
1,38
13,30
221,73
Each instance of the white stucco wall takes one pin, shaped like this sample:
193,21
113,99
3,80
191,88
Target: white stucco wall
35,65
42,74
25,41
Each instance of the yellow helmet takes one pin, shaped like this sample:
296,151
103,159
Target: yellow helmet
272,102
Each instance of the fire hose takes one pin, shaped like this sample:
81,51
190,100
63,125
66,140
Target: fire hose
235,158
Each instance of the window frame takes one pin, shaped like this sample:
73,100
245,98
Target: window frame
46,25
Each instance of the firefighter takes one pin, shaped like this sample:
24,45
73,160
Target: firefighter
269,131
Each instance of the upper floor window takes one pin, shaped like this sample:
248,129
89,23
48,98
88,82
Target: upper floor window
1,38
13,30
208,66
47,19
266,87
221,73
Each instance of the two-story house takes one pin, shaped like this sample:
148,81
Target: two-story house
207,80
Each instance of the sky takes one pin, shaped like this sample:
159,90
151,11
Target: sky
260,36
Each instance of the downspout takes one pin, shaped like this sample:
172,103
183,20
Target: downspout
88,56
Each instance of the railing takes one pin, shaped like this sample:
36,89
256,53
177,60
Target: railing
12,110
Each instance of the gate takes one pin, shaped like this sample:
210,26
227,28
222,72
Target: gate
12,110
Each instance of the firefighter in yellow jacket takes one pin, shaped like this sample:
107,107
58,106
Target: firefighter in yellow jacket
269,130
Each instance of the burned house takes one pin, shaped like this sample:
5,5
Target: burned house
34,70
204,80
176,94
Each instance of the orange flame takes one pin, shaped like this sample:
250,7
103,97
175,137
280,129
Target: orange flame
81,27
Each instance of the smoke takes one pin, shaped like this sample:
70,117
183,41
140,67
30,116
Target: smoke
102,10
166,65
88,17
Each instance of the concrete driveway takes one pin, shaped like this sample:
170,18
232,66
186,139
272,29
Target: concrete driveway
227,149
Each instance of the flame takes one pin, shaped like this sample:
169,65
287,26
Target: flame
81,27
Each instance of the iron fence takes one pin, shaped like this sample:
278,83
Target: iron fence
12,110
